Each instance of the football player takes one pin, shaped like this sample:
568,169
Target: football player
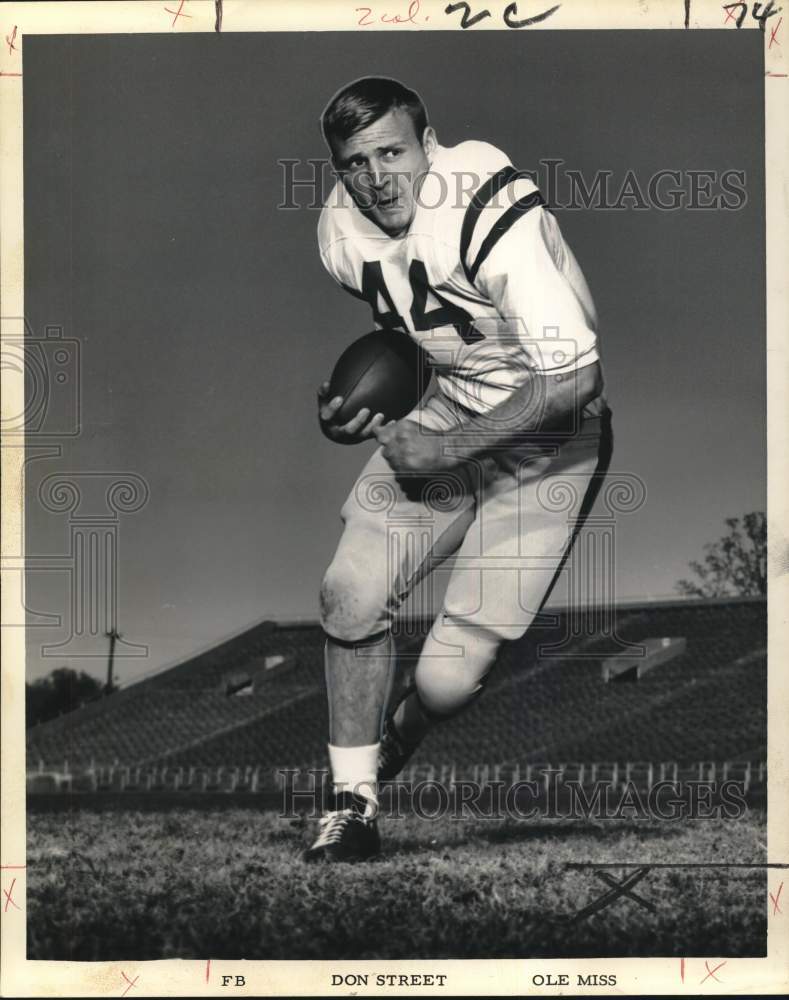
456,248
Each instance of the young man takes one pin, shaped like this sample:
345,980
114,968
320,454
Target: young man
455,248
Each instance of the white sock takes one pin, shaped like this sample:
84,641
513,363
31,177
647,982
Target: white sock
355,769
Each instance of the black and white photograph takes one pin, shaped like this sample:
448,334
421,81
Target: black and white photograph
388,427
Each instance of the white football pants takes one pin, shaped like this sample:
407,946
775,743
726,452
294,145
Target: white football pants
509,519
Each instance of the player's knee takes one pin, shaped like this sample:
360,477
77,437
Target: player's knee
444,690
454,666
351,607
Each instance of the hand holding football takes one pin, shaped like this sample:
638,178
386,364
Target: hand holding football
379,378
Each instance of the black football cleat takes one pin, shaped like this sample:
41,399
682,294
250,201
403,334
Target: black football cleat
345,833
393,751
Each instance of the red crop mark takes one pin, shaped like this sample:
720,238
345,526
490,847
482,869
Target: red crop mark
711,972
9,898
775,898
10,39
729,13
682,970
773,33
178,13
207,969
131,982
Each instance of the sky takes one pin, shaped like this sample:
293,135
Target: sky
204,320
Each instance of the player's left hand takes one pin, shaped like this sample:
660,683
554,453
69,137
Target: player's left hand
407,447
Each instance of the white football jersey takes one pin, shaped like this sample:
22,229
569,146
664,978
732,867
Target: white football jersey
482,279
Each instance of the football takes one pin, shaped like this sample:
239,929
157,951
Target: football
385,371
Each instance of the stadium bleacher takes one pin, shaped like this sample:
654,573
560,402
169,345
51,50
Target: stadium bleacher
545,701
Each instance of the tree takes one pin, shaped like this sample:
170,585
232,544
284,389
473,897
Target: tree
735,565
61,691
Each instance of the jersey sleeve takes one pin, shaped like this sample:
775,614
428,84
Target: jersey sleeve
334,247
515,255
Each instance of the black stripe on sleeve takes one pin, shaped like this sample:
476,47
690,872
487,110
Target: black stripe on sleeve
481,198
352,291
499,228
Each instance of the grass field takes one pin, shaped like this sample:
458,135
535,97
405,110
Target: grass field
230,884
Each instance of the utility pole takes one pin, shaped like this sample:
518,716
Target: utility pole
113,636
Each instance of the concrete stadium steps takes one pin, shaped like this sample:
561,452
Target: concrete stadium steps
708,703
301,647
718,716
143,729
692,710
564,715
294,732
185,704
